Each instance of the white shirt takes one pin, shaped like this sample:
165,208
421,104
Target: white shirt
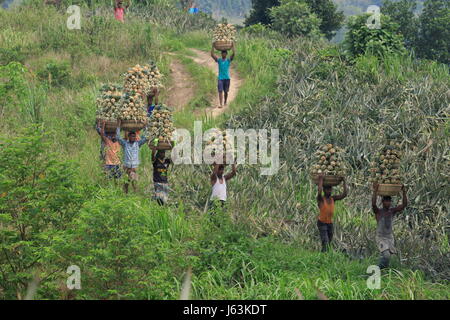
219,190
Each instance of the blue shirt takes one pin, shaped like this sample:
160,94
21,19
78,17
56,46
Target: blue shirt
224,68
130,150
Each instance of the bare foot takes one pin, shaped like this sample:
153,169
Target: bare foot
220,106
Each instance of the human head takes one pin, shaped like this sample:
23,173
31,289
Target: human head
386,201
161,154
132,136
327,191
224,54
221,170
119,4
112,137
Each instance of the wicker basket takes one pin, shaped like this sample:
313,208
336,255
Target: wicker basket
110,126
165,145
132,125
389,189
223,45
328,180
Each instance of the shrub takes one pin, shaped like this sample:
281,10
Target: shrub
360,40
294,18
39,197
55,73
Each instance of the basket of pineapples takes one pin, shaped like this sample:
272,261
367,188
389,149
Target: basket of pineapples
329,162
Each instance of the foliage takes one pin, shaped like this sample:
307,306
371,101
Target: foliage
293,18
403,13
39,196
260,12
126,248
331,19
434,31
55,73
360,39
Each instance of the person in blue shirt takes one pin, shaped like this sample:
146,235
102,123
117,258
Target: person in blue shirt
223,83
130,156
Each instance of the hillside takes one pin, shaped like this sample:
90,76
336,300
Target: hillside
57,209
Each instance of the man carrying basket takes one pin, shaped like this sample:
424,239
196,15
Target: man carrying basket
223,83
325,202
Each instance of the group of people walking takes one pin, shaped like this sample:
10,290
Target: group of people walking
131,144
384,217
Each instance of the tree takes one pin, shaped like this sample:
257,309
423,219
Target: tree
294,18
260,12
331,19
360,39
38,199
434,31
402,12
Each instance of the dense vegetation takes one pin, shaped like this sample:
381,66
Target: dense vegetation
57,209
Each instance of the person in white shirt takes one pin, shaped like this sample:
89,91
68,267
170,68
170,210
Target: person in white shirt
219,182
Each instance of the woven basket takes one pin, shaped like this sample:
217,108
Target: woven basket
223,45
165,145
328,180
132,125
389,189
110,126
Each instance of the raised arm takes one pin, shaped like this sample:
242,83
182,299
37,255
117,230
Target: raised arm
233,49
213,55
344,194
404,201
153,148
232,173
102,133
214,173
118,137
320,189
374,198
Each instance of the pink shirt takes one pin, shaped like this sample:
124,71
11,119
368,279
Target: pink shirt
119,13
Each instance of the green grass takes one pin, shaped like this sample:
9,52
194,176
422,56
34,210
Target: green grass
253,257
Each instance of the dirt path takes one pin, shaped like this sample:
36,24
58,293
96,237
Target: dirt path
204,59
182,89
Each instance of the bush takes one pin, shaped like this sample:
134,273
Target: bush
55,73
126,248
39,197
360,40
294,18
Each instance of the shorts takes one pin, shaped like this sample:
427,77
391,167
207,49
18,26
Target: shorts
132,174
113,171
386,243
161,192
223,85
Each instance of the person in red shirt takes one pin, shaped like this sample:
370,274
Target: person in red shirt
119,10
111,159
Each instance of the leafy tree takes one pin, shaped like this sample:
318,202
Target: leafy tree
260,11
294,18
39,196
360,39
434,31
402,12
331,19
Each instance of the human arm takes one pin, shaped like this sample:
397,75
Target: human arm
232,173
213,55
233,49
320,189
404,201
102,133
344,194
214,173
374,198
118,137
153,148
